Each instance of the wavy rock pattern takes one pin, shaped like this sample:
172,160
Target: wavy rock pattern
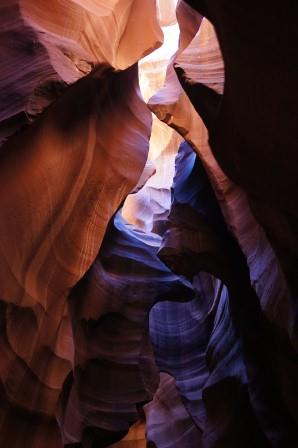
201,62
150,207
110,308
246,354
166,415
180,334
261,131
48,45
71,179
111,335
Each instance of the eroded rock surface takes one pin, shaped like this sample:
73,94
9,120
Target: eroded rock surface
148,288
71,178
254,129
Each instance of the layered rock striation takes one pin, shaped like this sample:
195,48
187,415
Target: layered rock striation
148,232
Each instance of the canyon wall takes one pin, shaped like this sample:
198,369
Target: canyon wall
148,232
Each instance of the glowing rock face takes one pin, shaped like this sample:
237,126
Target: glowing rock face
72,177
138,208
111,32
150,206
48,45
167,12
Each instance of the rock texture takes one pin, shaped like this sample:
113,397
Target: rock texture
266,134
248,357
166,415
71,179
149,208
148,233
201,62
110,308
48,45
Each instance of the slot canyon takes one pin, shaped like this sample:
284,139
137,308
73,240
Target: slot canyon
149,224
